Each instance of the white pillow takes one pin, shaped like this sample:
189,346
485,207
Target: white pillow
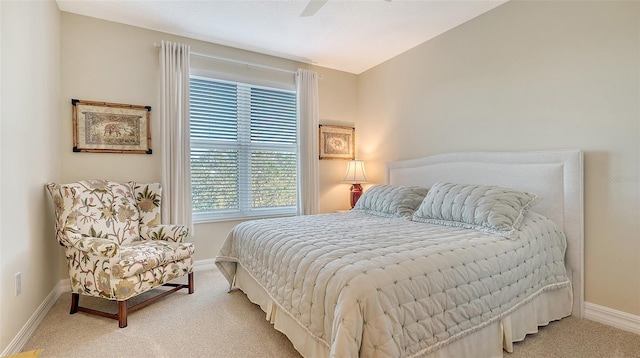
391,201
489,209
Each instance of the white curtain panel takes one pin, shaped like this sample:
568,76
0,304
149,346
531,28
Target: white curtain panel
175,136
308,120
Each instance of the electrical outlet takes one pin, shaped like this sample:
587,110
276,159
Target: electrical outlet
18,283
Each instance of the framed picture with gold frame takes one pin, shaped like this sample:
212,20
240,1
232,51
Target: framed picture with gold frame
103,127
337,142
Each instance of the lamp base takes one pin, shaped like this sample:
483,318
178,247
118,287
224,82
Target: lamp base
356,192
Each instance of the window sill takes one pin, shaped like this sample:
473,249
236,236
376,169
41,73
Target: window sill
239,218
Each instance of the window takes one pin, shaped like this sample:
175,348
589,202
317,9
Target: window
243,150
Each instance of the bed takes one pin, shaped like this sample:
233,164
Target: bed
448,272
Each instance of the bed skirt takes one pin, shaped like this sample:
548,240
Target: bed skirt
490,341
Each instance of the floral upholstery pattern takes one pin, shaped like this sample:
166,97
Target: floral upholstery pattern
114,242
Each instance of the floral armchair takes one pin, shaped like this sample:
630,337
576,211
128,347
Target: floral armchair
115,246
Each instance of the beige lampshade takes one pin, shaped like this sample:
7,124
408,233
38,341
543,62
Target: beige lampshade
355,172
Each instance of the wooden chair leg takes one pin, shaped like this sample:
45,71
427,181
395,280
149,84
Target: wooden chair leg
75,298
122,314
123,308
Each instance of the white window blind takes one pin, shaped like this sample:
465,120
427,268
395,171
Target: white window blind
243,150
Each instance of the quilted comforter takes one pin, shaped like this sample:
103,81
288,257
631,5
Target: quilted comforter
369,286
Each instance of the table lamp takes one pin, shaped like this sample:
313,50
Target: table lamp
355,175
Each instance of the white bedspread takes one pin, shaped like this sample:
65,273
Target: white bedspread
381,287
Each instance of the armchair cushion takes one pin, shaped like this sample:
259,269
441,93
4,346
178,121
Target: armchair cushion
146,255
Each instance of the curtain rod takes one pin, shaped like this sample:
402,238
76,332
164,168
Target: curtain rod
245,63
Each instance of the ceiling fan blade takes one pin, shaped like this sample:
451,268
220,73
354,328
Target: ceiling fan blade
312,7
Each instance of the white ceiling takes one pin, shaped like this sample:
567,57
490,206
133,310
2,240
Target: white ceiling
346,35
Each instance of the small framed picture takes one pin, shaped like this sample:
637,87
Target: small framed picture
337,142
102,127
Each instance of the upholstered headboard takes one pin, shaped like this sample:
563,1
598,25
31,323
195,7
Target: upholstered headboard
555,176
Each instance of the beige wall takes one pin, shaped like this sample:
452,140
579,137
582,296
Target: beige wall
106,61
30,79
529,75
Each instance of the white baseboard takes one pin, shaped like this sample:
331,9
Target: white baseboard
66,285
202,265
610,317
23,336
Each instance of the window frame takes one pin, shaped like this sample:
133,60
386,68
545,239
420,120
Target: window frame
244,147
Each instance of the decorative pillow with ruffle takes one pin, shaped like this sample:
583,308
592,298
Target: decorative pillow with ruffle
488,209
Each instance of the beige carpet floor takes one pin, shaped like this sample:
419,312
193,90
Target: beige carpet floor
215,323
